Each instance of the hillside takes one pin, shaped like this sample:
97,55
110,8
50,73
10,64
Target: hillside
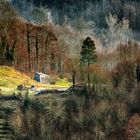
133,127
11,78
95,10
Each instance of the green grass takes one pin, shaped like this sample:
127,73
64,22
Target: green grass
62,82
10,78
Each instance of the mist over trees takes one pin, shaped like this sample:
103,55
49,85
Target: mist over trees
94,10
30,36
46,44
87,18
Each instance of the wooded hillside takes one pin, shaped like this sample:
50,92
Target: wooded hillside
27,46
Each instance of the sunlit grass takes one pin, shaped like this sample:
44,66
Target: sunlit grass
11,78
62,83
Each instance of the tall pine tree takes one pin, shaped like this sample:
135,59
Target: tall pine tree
88,54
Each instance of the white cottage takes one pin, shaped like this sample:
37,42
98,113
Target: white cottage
42,78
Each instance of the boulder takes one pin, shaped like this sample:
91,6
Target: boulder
21,87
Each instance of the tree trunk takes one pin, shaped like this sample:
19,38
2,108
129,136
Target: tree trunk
29,50
37,52
2,49
61,66
88,74
138,74
74,79
28,31
46,55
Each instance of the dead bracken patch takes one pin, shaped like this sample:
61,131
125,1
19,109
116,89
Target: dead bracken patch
133,128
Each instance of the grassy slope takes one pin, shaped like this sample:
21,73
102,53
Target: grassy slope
11,78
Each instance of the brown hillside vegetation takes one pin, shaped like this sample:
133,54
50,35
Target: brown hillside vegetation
25,45
33,45
133,128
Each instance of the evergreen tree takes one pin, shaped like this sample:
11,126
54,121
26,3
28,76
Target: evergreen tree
88,54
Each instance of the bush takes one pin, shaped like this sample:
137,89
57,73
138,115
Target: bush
133,101
124,73
99,113
71,106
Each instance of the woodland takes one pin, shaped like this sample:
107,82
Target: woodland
90,49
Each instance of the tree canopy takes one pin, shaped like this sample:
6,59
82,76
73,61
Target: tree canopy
88,54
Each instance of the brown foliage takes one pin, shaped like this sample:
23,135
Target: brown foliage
125,71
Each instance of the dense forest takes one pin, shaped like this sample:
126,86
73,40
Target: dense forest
36,29
95,10
24,45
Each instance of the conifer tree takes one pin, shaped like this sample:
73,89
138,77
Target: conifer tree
88,54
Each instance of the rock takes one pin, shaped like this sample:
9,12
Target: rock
20,87
32,88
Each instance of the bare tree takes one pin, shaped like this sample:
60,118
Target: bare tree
118,31
28,37
40,18
7,14
62,36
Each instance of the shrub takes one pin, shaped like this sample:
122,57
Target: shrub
71,106
133,101
124,73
